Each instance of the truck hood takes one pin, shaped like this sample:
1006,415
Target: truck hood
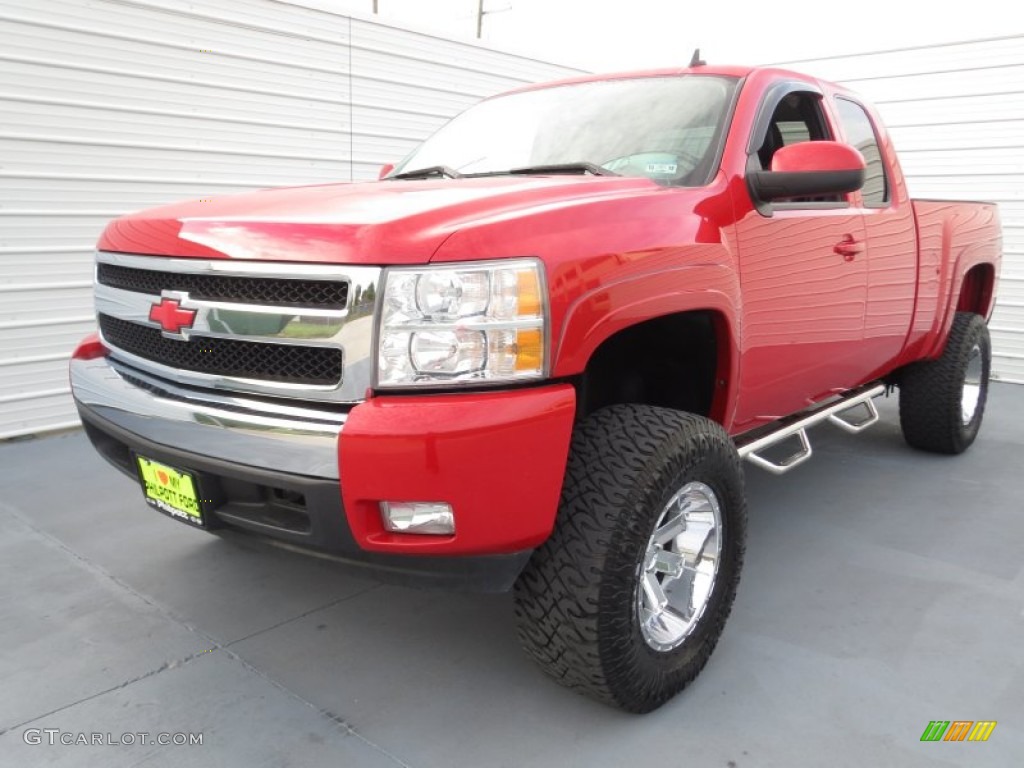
389,222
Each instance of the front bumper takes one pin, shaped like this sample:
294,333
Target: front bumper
313,478
240,430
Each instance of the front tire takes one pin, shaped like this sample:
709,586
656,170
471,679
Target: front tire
628,597
942,401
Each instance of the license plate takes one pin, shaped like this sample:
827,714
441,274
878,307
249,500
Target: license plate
171,490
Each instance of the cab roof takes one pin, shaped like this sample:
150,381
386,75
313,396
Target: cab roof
703,69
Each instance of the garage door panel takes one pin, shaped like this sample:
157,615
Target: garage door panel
18,381
381,149
963,162
26,267
265,18
148,159
1011,288
86,193
45,303
58,338
945,83
81,121
1003,337
36,79
1010,370
1007,317
1011,212
408,96
26,417
366,171
994,188
166,57
1005,134
191,26
432,73
369,35
1012,269
867,67
938,111
31,229
1013,234
386,121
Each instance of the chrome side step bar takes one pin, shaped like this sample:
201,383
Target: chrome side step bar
837,412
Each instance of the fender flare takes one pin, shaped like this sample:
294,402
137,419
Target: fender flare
596,316
965,261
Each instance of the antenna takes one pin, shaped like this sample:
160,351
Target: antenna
697,61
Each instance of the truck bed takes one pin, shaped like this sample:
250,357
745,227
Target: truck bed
955,237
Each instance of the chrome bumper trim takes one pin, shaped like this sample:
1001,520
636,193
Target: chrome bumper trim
299,440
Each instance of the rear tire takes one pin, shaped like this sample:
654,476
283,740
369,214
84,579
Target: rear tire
626,600
942,401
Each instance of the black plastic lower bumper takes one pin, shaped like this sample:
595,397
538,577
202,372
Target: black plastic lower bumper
301,512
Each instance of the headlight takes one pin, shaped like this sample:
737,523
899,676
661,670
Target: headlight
479,323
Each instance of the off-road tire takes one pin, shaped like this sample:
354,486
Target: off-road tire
576,601
930,392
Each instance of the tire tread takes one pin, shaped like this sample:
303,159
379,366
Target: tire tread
563,597
930,391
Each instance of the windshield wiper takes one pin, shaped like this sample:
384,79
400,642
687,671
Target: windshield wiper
441,171
583,167
444,171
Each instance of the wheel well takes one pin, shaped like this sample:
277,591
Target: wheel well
976,290
674,361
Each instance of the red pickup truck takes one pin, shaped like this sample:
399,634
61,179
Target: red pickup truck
534,355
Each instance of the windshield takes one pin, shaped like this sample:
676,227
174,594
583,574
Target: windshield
666,128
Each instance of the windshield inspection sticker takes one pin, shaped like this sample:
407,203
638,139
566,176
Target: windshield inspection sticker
661,167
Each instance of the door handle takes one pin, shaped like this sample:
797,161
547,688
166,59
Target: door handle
848,248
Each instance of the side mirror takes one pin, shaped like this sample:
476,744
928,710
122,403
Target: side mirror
385,170
809,169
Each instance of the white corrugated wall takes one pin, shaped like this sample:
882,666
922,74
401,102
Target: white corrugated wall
108,106
956,115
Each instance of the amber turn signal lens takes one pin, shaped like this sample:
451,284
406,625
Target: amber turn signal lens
529,350
528,290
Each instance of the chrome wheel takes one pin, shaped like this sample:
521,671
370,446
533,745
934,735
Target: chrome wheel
627,598
972,386
679,567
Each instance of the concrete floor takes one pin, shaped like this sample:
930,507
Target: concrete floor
884,588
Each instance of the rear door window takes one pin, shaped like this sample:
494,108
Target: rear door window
861,134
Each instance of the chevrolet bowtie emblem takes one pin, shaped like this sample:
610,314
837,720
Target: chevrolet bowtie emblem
172,318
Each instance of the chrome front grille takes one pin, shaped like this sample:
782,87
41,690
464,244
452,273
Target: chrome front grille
287,330
283,292
226,357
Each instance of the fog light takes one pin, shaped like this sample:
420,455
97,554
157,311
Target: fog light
434,517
